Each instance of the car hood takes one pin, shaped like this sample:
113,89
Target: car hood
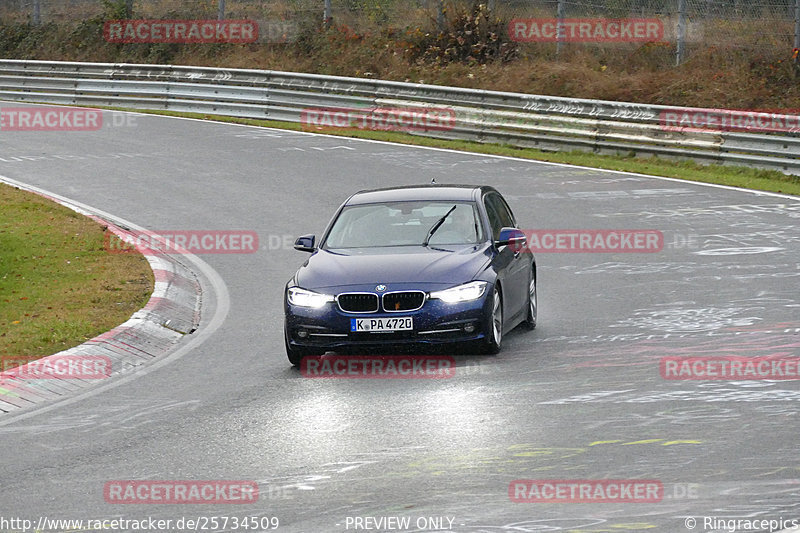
393,265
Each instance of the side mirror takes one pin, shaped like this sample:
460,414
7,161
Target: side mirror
305,243
513,237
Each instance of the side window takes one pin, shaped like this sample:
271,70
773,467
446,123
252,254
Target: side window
494,217
499,213
503,210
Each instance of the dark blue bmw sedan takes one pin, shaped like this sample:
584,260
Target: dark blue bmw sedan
432,264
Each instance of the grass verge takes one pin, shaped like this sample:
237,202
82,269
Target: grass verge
58,285
733,176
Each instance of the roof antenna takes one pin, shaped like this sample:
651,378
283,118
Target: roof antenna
433,181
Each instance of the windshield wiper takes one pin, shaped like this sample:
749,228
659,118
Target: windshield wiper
436,226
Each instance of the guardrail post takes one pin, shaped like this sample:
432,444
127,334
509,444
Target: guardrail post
221,10
797,23
37,15
680,51
561,14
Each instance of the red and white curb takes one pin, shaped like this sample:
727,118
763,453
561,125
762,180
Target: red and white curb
172,312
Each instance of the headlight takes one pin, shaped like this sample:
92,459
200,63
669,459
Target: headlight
304,298
462,293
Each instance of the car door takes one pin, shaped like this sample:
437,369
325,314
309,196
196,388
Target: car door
515,264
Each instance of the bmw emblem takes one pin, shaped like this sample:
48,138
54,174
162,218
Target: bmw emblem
380,288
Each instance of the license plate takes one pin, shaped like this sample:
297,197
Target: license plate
400,323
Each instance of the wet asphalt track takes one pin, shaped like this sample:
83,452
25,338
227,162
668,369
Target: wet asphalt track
579,398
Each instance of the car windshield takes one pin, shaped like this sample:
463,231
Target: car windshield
405,224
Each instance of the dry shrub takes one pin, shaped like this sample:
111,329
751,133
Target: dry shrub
471,36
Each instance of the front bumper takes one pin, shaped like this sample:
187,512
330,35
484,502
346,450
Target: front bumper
436,322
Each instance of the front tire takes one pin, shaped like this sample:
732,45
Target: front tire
533,304
494,330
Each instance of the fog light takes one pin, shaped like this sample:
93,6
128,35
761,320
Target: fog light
469,328
302,334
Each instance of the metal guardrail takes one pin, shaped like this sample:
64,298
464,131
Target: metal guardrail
543,122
